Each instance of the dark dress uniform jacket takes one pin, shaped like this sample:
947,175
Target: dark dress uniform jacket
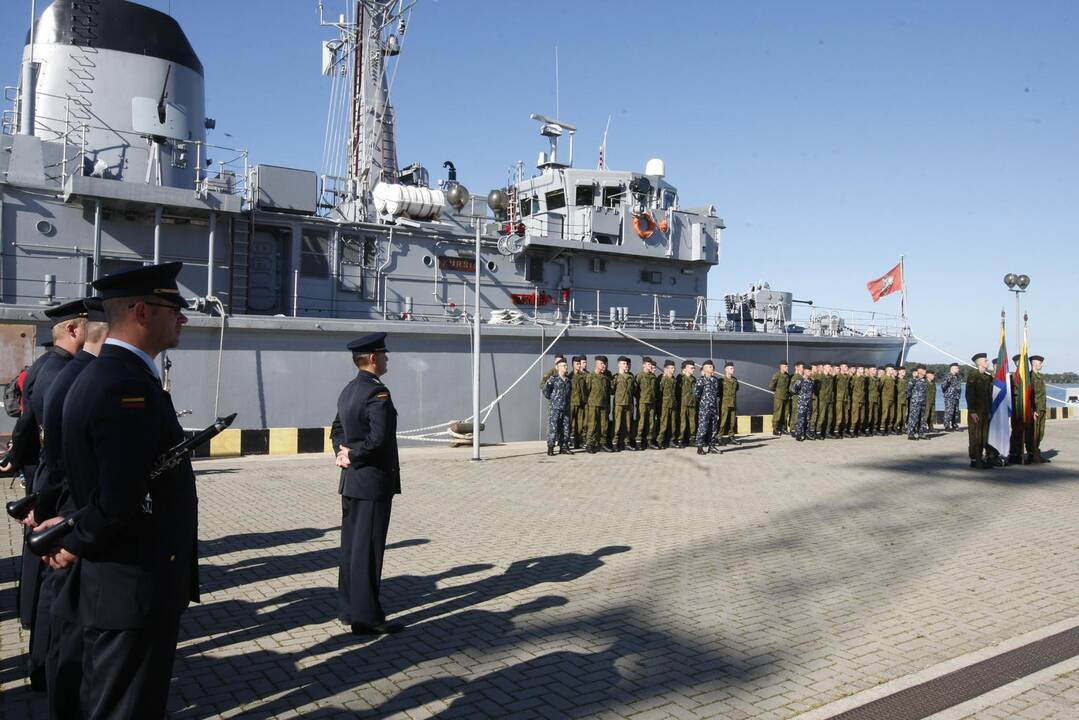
138,561
49,483
366,424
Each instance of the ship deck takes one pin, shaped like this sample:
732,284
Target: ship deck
777,580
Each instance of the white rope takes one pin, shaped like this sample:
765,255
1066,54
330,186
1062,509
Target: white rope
625,334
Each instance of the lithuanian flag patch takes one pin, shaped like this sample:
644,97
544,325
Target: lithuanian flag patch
132,402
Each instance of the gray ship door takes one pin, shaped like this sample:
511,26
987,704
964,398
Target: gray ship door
267,270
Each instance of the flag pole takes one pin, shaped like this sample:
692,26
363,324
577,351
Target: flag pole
903,313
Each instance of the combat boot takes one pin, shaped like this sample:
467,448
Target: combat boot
700,450
607,448
654,445
563,450
591,449
550,450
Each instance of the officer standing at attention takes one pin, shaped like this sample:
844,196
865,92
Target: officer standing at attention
826,401
557,391
842,402
647,395
780,386
952,387
687,405
887,401
707,393
578,400
930,415
668,402
599,404
979,402
1034,444
365,435
792,408
802,389
728,406
135,543
559,357
624,389
858,385
902,399
872,397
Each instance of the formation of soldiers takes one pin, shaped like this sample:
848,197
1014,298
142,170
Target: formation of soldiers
601,411
821,400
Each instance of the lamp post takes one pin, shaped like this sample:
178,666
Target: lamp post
1017,284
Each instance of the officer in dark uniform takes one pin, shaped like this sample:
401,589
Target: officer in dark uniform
68,334
134,548
58,644
365,436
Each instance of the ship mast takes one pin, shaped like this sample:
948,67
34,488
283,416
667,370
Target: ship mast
361,55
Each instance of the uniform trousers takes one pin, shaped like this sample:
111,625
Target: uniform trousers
63,667
872,416
825,416
623,423
668,424
842,414
707,424
687,423
728,422
30,574
579,422
887,415
977,435
914,418
646,422
857,415
929,416
951,414
780,412
558,431
597,425
802,422
126,673
364,525
43,634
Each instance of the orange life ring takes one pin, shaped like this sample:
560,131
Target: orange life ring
649,225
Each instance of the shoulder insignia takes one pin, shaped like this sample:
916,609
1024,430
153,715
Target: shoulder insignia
132,402
383,395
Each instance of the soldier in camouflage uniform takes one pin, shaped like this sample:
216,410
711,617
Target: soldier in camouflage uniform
952,387
624,388
887,401
914,394
647,396
858,386
792,399
687,405
557,391
578,400
826,400
842,402
872,401
1037,382
930,415
599,404
728,407
668,403
707,392
780,386
802,389
979,403
902,403
559,357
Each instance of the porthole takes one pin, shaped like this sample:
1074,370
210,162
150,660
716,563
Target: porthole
491,266
46,228
429,260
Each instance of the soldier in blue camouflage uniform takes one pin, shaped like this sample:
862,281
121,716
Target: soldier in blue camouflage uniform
952,387
802,389
915,394
557,391
708,391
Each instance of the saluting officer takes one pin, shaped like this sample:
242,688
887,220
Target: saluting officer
135,544
365,436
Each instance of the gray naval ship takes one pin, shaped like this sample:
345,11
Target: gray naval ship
106,165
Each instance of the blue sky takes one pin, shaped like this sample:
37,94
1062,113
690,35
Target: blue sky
832,136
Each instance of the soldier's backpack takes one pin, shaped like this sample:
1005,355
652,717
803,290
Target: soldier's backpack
13,404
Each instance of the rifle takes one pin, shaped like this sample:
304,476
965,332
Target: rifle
44,542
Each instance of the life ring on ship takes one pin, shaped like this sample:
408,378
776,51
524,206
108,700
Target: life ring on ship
664,227
644,225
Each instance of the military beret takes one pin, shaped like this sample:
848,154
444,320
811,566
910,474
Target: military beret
68,311
668,363
977,357
582,357
623,358
601,358
648,360
688,363
368,343
919,367
728,364
155,280
1039,358
708,362
559,356
560,360
954,365
95,310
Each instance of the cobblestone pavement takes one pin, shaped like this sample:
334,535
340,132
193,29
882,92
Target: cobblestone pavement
770,580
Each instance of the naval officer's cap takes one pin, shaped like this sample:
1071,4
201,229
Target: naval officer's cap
368,343
151,281
95,309
978,356
1039,358
68,311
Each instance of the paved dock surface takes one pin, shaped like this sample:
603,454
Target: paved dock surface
776,580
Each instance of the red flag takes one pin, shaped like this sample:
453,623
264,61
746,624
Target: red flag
890,282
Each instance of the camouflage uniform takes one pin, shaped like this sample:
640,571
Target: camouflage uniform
578,405
557,391
929,416
803,392
887,404
979,402
858,385
625,387
826,401
668,423
952,388
599,405
842,404
647,390
872,406
687,408
780,385
914,395
728,410
902,404
707,393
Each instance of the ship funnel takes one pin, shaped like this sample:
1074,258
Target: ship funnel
655,168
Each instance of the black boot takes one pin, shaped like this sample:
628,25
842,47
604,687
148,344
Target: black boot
652,444
607,448
591,449
700,450
563,450
550,450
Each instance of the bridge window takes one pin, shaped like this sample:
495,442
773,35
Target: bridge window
556,200
612,196
315,253
586,195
